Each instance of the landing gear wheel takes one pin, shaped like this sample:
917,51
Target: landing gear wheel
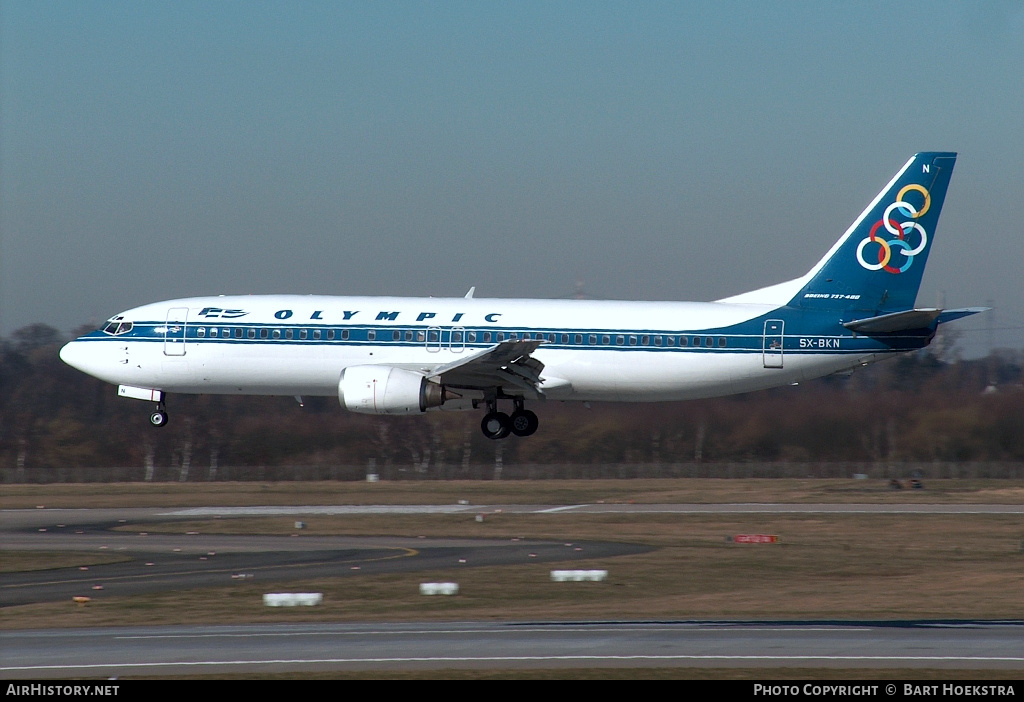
495,425
523,422
158,418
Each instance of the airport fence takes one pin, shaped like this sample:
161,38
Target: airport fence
527,471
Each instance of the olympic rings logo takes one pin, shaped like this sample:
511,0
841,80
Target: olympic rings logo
898,230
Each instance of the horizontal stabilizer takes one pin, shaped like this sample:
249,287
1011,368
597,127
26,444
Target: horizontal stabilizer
952,315
897,321
909,319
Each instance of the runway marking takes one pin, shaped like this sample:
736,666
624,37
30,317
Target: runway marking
519,659
319,509
516,632
653,508
408,552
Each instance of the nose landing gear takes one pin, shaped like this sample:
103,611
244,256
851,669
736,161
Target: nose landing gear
159,416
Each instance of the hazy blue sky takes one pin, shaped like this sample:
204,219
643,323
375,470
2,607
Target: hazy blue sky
676,150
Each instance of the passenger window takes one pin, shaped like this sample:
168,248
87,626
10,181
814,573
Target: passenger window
632,340
456,337
668,341
721,342
683,341
277,334
201,332
708,341
344,334
620,340
645,341
225,333
396,336
565,338
471,336
303,333
371,335
330,334
657,341
213,331
606,340
408,336
500,336
252,333
578,339
289,334
264,333
433,335
421,336
592,339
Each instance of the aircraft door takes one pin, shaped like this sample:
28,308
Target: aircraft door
175,327
457,339
433,339
774,340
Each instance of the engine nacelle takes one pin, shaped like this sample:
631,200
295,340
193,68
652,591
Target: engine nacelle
387,390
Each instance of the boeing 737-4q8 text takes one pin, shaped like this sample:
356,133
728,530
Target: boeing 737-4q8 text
393,355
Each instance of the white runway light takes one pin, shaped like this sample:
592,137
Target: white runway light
439,588
563,576
292,599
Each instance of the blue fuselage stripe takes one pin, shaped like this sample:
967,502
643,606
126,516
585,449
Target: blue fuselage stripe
730,340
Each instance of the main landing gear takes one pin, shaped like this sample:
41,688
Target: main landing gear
498,425
159,416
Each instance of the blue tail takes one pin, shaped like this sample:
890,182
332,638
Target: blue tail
876,267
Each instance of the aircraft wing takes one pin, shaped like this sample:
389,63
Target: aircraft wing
508,364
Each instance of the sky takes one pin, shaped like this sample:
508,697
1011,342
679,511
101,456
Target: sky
655,150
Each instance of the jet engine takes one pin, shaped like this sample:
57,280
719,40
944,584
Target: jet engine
387,390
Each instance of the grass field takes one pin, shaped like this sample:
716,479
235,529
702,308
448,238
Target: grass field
553,492
824,566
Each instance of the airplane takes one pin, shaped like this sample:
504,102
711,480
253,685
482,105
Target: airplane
399,355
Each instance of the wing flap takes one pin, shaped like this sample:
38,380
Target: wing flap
505,364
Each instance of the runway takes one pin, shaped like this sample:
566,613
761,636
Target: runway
166,651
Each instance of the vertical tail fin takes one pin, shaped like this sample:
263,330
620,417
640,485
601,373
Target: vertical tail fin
876,266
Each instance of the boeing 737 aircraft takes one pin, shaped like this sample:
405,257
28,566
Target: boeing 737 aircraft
391,355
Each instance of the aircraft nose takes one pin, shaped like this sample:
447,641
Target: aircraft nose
75,355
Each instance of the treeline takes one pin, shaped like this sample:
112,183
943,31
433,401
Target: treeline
911,409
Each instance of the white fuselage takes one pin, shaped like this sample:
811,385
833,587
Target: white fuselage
591,350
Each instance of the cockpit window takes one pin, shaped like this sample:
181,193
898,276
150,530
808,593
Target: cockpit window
115,327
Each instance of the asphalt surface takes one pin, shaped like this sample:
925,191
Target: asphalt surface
263,649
